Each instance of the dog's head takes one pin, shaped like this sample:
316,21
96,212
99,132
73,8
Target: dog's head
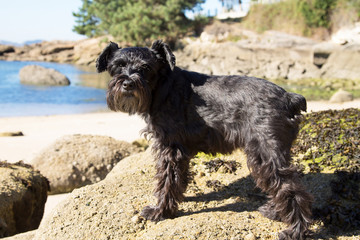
135,73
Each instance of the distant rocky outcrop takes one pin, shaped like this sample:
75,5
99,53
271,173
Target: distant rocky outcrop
228,58
6,49
38,75
272,55
23,193
74,161
82,52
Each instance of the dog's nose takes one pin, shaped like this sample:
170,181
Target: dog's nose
128,85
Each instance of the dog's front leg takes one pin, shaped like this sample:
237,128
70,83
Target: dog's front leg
172,175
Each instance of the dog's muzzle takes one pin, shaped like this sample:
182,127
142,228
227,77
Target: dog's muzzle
128,85
126,94
125,84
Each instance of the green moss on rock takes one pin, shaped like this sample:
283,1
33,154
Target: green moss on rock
329,140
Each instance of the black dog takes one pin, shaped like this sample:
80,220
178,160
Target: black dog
187,112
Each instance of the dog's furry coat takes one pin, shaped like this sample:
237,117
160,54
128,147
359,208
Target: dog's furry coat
187,112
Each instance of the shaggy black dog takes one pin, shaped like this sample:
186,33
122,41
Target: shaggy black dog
187,112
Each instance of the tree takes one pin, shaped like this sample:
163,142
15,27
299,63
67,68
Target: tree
135,21
86,21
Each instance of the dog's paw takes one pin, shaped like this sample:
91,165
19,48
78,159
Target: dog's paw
291,235
152,213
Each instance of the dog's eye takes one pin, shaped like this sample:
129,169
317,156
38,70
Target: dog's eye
146,67
120,63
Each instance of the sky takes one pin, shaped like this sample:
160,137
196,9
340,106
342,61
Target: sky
26,20
23,20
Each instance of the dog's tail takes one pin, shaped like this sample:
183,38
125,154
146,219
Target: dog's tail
297,103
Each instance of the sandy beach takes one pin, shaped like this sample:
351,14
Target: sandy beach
40,131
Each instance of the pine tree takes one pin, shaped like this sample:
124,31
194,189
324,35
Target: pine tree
86,21
135,21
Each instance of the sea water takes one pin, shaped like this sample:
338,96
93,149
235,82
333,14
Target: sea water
17,99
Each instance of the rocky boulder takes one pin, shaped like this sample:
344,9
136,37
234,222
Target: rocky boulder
110,209
23,193
343,63
322,51
221,203
341,96
74,161
87,51
38,75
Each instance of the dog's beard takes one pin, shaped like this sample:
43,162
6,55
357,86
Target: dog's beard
136,101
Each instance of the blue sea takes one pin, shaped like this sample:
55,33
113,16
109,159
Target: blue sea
86,93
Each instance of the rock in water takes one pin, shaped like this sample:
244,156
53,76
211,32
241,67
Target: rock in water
23,193
77,160
37,75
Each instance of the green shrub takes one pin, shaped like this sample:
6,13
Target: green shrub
317,12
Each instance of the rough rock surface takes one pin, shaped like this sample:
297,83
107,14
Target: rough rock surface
266,61
38,75
272,56
77,160
343,63
87,51
322,51
22,236
23,193
221,203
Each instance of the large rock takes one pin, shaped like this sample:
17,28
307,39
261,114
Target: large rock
341,96
74,161
38,75
23,193
87,51
221,203
322,51
110,209
343,64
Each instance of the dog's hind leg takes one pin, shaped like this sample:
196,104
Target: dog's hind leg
274,174
172,175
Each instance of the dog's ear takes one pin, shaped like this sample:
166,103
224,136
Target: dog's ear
164,53
103,59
